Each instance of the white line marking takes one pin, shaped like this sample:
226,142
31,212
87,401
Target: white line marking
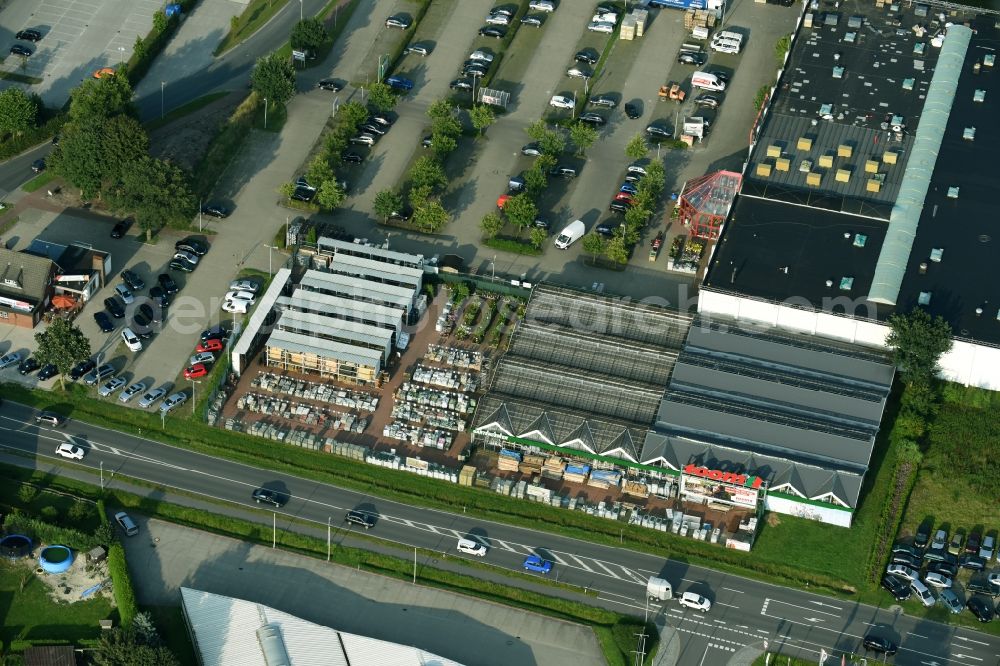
502,544
719,603
910,633
556,557
732,590
963,638
581,563
610,572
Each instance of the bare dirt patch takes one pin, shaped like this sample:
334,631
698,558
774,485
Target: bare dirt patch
185,140
79,579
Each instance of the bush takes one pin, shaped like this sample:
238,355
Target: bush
760,96
50,513
122,584
15,145
43,532
27,493
512,245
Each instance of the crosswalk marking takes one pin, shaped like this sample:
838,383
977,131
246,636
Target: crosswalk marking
580,562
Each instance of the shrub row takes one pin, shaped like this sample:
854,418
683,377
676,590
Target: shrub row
155,41
412,30
42,532
121,581
515,245
225,145
15,145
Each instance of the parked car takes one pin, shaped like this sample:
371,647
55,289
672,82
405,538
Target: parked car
115,307
209,346
167,283
940,555
195,371
537,564
362,518
949,600
940,540
131,340
532,149
215,210
398,21
972,543
173,402
923,593
403,215
244,285
217,332
104,322
922,535
418,49
981,584
131,392
955,547
659,132
689,58
121,227
205,358
98,374
695,601
601,26
981,607
497,19
561,102
10,359
351,157
268,496
628,188
879,644
28,365
20,50
604,100
589,56
110,386
235,295
67,450
533,20
579,73
50,419
28,35
937,580
493,31
989,545
189,257
236,307
81,368
607,228
903,571
943,568
707,102
48,371
592,118
907,559
898,587
126,523
481,55
125,294
329,84
542,5
633,111
972,562
460,84
561,171
302,194
132,279
180,265
149,398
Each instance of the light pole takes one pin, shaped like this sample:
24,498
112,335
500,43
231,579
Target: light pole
328,538
336,103
387,237
300,10
193,401
102,475
121,57
265,113
270,272
493,269
382,65
200,206
162,83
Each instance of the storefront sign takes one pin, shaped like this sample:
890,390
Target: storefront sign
23,306
725,477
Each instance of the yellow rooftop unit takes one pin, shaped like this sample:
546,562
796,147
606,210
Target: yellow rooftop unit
871,166
843,175
764,169
774,150
889,157
814,178
804,143
782,164
873,185
844,150
826,161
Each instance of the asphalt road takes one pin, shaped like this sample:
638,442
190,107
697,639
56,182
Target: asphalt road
744,612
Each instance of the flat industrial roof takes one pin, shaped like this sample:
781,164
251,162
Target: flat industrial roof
349,264
358,288
326,328
306,344
362,249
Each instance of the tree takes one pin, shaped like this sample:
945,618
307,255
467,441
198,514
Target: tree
319,171
636,148
537,130
781,48
593,244
386,203
616,250
442,144
654,179
18,111
636,217
521,211
538,236
583,136
273,78
381,97
491,225
441,110
330,194
156,192
419,194
312,236
123,646
545,162
431,216
79,157
629,234
918,341
552,143
286,190
535,180
309,34
159,21
105,97
482,116
139,49
352,113
124,142
63,345
427,170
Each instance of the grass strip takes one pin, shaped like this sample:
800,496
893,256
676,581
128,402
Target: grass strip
20,78
184,110
256,14
39,181
607,621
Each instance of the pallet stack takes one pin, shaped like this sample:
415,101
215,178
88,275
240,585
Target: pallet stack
576,473
635,489
531,464
508,461
698,18
467,476
553,468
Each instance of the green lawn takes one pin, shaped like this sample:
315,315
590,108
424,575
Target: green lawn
29,612
39,181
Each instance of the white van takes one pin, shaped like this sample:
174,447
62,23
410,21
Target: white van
571,234
470,547
707,81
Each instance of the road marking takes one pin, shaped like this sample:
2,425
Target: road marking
805,608
719,622
610,572
580,562
732,590
820,603
556,557
814,619
455,533
638,578
910,633
963,638
502,544
763,631
967,656
719,603
431,528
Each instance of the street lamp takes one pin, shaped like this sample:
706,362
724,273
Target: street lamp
193,400
300,10
493,269
387,237
200,207
269,248
162,83
121,58
382,65
336,103
265,113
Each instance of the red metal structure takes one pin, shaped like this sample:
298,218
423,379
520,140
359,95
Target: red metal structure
705,202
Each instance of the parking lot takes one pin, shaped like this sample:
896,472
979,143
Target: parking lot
78,38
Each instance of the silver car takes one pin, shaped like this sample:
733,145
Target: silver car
151,397
202,357
131,392
110,386
10,359
125,294
949,600
176,400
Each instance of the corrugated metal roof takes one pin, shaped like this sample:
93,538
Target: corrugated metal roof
225,629
297,342
327,328
341,306
372,251
267,302
350,264
895,254
358,288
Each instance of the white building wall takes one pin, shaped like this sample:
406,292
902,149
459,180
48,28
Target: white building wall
810,511
967,363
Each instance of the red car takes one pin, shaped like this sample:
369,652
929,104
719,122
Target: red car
195,371
212,345
502,201
623,196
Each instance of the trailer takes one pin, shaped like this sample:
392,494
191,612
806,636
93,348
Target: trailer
671,91
659,589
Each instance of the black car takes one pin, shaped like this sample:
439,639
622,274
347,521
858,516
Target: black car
28,365
180,265
167,283
604,100
192,245
460,84
418,49
401,215
532,19
912,561
474,71
633,111
589,56
427,141
266,496
972,562
141,326
562,172
689,58
217,332
329,84
384,121
707,102
134,282
879,644
81,368
592,118
303,194
940,555
104,321
159,297
21,50
981,607
493,31
215,210
898,587
122,227
972,543
29,35
541,223
351,157
48,371
38,166
115,307
982,585
619,206
943,568
372,128
923,535
722,76
362,518
398,21
145,310
659,132
607,228
906,548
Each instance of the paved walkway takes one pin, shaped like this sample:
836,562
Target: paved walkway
165,557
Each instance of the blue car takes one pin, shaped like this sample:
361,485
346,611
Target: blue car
537,564
630,188
399,83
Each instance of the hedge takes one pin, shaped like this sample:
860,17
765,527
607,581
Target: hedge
121,581
15,145
512,245
42,532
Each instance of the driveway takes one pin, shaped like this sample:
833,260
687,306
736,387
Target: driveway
164,557
79,37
